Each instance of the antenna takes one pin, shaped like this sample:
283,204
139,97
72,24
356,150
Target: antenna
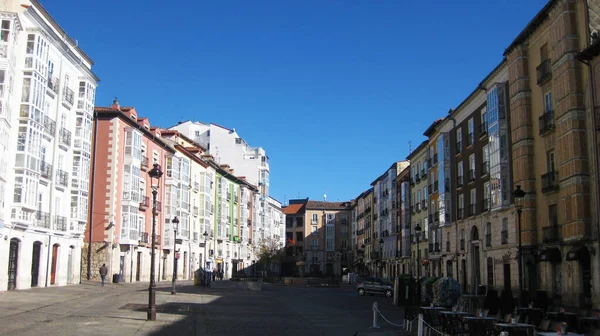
409,147
325,196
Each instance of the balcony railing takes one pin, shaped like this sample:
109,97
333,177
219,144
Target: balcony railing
62,178
549,182
68,97
145,163
144,203
546,122
195,210
544,71
486,204
60,223
459,147
472,209
46,170
459,213
551,234
144,238
471,139
53,84
471,175
42,219
459,181
49,126
485,167
483,129
423,174
64,136
504,237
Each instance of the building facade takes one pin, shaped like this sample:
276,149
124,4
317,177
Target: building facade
552,150
403,221
419,182
46,104
327,237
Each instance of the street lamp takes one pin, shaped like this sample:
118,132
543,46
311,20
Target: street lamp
154,173
205,235
417,234
519,195
175,222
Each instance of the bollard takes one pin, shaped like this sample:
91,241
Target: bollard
420,328
375,326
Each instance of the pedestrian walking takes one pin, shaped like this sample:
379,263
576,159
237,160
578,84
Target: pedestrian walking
103,272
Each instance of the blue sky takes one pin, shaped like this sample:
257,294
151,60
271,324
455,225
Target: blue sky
333,90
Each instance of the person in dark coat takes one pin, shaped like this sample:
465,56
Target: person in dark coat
103,272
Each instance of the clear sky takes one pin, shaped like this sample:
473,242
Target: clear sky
333,90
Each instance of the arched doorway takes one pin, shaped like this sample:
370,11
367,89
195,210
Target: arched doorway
53,264
35,263
13,263
475,260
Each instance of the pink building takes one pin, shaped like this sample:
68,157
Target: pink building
125,147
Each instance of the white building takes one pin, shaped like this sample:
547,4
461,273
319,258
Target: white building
47,92
252,163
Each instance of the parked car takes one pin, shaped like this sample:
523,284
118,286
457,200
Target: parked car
375,286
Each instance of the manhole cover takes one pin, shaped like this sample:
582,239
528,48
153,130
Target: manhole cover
163,308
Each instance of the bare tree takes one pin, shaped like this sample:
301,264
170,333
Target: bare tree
269,251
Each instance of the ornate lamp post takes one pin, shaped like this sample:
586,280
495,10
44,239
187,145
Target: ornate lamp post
519,195
205,235
417,234
175,222
154,173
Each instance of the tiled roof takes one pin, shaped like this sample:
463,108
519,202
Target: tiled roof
292,209
319,205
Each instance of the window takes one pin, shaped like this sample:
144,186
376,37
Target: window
488,234
544,52
484,120
550,161
314,230
548,102
471,125
458,140
315,219
553,215
5,32
490,272
473,201
472,167
460,173
461,205
504,231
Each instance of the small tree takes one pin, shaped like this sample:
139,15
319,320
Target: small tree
269,251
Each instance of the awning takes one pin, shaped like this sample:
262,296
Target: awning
577,253
550,254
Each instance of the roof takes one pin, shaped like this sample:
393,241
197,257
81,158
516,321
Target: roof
293,209
319,205
394,165
530,28
429,131
191,155
418,149
49,17
110,113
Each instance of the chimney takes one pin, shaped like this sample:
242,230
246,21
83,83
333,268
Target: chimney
231,171
115,104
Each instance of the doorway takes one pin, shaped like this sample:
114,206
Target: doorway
506,271
13,260
70,265
35,264
138,268
53,264
121,268
463,266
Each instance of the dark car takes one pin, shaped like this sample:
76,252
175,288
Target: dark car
375,286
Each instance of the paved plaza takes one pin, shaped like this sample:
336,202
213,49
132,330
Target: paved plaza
120,309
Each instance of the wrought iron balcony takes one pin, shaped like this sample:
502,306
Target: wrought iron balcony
68,97
544,71
60,223
46,170
471,175
459,147
62,178
459,213
53,85
42,219
485,205
549,182
49,126
485,167
546,122
144,203
64,137
551,234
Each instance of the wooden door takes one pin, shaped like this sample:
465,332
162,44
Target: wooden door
13,259
53,265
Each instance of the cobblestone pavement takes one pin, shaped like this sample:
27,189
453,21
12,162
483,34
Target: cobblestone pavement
120,309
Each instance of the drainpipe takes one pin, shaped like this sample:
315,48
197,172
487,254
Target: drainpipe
592,102
91,207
